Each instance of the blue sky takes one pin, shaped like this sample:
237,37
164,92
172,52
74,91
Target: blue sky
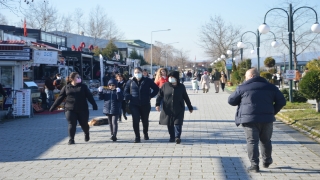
137,18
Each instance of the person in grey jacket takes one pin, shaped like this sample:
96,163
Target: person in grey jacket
258,102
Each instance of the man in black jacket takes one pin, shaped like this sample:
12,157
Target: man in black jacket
258,102
216,79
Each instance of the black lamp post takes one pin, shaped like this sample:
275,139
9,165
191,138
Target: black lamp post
264,28
241,45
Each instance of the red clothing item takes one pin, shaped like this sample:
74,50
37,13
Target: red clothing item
161,81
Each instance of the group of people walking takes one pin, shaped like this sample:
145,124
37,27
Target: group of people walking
257,101
119,95
216,78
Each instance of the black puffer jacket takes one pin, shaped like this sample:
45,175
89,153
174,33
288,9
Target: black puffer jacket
140,93
258,101
112,101
76,98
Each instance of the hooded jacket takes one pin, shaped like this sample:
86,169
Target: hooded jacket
174,99
258,101
112,99
139,92
76,98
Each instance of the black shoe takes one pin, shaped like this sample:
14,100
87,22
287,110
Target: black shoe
119,119
178,140
86,137
266,165
125,117
137,140
71,141
114,138
253,169
171,140
111,138
146,137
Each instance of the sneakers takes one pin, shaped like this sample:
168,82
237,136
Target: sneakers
266,165
86,137
146,137
253,169
125,117
71,141
178,140
137,140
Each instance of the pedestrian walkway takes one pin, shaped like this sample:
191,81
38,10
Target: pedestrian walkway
212,147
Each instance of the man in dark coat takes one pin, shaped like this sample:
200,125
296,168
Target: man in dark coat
216,79
174,95
106,79
258,102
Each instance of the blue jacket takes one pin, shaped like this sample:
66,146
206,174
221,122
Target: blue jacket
139,93
112,101
258,101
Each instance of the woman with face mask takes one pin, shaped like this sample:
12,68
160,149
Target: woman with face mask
138,92
76,106
174,96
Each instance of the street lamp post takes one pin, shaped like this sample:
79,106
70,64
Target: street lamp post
252,51
151,46
264,28
241,45
166,51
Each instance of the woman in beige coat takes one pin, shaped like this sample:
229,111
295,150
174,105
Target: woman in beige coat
205,82
223,80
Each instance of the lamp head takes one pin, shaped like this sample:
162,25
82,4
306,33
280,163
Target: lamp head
219,59
252,51
264,28
275,44
223,56
215,61
315,28
241,45
229,52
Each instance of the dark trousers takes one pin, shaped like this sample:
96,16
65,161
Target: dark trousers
222,86
72,118
174,131
295,84
113,124
256,132
140,112
123,107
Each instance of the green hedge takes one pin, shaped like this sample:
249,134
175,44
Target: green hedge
296,95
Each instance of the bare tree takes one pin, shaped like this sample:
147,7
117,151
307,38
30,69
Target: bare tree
14,6
181,58
303,39
3,20
100,26
42,16
156,55
166,52
66,24
79,20
216,37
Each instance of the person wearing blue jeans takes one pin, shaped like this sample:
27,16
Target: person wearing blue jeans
173,94
49,87
258,102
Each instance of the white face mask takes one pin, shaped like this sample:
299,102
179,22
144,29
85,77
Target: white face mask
138,75
172,80
58,77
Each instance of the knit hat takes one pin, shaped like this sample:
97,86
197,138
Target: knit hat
175,74
113,81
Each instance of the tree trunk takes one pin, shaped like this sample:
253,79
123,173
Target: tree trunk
318,105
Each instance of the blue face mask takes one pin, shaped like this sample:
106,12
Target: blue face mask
138,75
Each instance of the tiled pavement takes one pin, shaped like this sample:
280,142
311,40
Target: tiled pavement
212,148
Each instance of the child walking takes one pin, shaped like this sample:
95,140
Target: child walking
195,85
112,97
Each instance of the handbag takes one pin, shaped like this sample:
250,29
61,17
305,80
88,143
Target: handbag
127,103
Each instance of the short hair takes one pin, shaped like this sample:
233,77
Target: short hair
58,75
254,72
307,69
